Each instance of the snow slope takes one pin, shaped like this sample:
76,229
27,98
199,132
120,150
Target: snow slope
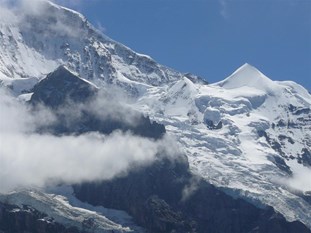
37,43
246,134
65,209
237,157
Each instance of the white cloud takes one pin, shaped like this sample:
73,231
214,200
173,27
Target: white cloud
16,13
7,14
31,6
29,159
100,27
37,160
190,188
24,6
225,8
301,179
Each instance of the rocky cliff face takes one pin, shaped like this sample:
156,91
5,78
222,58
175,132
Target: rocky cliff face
247,135
166,197
162,197
68,95
61,86
14,219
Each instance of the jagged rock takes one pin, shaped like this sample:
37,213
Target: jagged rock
62,86
210,124
36,46
14,219
62,89
305,157
281,164
166,197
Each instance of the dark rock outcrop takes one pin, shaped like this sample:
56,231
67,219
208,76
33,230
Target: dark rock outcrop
298,110
196,79
71,98
60,86
281,164
166,197
210,124
305,157
14,219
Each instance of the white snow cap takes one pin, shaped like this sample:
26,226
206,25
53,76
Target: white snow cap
249,76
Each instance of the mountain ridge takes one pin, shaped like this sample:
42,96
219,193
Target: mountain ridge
240,136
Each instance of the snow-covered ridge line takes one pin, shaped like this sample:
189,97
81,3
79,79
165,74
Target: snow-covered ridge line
66,9
55,35
250,76
243,136
59,208
246,133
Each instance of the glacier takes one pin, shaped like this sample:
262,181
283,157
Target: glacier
247,135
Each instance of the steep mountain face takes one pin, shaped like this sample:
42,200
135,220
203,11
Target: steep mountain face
60,86
21,219
41,41
67,94
166,197
162,197
35,211
247,135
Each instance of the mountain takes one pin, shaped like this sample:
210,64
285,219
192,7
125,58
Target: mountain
41,41
64,89
247,138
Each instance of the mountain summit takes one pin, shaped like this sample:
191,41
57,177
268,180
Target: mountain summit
41,40
246,139
247,75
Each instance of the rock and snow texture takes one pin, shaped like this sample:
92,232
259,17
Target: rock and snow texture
247,134
70,212
262,144
36,43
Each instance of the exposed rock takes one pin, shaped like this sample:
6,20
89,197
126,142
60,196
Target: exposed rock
284,137
281,164
212,118
61,86
210,124
64,92
305,157
166,197
14,219
298,110
196,79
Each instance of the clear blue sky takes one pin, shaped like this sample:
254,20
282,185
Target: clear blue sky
211,38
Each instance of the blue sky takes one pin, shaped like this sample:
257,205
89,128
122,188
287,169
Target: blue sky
211,38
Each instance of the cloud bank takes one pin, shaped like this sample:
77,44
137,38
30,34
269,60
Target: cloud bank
29,159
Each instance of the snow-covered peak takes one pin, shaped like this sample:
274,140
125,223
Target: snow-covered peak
48,35
232,131
65,9
248,76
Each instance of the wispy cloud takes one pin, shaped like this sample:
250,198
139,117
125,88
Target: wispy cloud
226,8
7,14
29,159
33,14
75,4
100,27
300,180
